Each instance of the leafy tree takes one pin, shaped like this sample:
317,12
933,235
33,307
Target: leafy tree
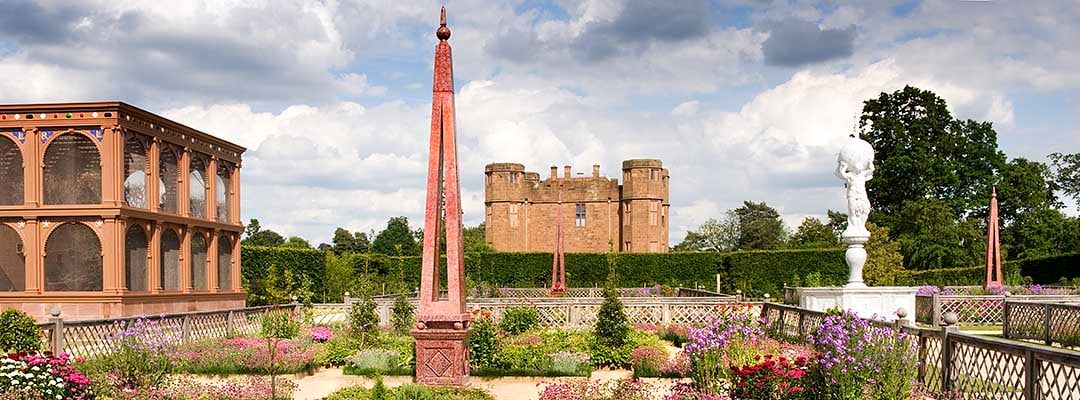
297,242
255,236
760,227
1025,186
364,319
344,241
883,259
713,235
813,233
402,315
1067,174
397,232
475,241
612,327
837,221
361,242
934,238
325,247
1041,232
923,152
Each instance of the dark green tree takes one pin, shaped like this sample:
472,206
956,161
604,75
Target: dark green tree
255,236
921,151
760,227
812,233
297,242
837,221
1025,186
475,241
883,259
1040,232
361,242
713,235
1067,174
344,241
397,232
934,238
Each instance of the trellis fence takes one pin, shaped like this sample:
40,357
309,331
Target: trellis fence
981,310
93,338
569,312
974,367
1052,323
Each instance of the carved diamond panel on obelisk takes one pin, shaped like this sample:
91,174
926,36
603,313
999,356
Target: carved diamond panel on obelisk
442,328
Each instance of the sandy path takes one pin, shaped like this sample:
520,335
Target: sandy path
326,381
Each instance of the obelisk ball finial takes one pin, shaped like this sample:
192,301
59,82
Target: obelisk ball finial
443,33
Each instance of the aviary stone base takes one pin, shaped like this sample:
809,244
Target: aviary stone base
442,357
865,302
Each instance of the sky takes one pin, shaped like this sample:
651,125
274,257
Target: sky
742,100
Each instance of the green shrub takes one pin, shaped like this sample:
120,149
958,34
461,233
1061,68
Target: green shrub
337,350
523,357
18,331
517,320
570,363
374,362
408,392
279,323
483,343
364,320
612,326
304,265
401,315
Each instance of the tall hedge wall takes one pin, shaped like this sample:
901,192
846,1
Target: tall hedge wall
754,272
1051,269
1042,270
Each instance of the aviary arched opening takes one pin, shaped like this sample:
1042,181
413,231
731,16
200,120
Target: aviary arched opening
11,173
12,262
136,247
72,171
169,266
73,259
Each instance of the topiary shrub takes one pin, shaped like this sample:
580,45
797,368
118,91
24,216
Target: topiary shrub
18,331
363,320
401,315
517,320
611,331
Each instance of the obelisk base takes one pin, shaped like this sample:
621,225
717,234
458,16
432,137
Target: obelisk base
442,357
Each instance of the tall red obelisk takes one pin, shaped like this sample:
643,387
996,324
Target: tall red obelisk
993,246
558,260
442,328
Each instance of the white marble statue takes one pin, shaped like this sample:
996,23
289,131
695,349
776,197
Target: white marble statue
855,166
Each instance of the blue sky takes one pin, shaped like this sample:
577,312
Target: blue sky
742,100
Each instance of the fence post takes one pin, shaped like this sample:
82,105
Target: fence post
1005,317
935,309
946,350
185,330
782,330
58,331
230,330
921,377
666,318
1031,378
1046,324
802,327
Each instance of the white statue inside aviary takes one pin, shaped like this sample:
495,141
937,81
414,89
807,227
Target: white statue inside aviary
855,166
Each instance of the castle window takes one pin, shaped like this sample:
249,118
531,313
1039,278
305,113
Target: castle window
513,215
626,246
654,174
654,247
513,177
626,214
652,213
579,215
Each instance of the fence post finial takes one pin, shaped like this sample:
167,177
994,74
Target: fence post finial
57,331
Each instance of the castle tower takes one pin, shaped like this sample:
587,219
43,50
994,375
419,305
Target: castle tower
442,328
644,206
506,187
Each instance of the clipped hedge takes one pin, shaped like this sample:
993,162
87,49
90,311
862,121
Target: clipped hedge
1046,270
754,272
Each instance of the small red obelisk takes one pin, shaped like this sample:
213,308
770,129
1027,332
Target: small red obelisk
442,328
993,246
558,259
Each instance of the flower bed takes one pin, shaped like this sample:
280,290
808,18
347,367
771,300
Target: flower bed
246,356
43,375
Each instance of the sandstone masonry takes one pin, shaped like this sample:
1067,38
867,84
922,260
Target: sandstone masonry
596,210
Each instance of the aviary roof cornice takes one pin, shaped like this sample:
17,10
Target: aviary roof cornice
123,109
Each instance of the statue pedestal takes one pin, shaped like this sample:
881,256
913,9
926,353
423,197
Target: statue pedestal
865,302
442,357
